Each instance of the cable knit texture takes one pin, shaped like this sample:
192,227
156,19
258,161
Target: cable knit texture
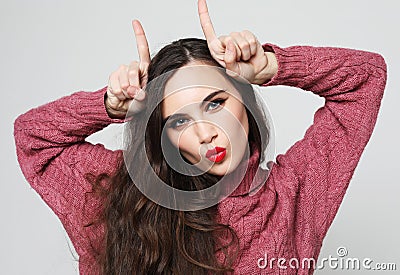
289,215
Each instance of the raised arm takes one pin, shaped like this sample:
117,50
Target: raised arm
54,156
321,164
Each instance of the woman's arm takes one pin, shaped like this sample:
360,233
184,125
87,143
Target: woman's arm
352,83
53,153
323,162
54,156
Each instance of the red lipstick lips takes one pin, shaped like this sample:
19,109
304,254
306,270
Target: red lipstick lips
216,154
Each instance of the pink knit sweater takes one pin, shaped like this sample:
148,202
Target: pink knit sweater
287,218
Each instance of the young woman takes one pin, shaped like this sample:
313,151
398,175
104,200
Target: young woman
192,128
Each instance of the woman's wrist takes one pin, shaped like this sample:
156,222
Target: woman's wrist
269,71
114,114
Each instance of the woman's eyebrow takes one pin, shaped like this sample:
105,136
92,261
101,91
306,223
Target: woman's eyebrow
206,99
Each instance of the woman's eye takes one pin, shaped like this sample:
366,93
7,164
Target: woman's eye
178,122
214,104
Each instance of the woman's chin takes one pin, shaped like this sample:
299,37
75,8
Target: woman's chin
222,169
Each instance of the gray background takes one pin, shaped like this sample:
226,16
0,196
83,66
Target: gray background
52,48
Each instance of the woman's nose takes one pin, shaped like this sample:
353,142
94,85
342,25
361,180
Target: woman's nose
205,131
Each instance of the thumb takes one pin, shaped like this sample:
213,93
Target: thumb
232,67
137,104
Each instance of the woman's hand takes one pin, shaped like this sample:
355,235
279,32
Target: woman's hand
126,83
240,52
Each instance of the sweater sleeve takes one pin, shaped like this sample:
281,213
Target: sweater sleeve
322,163
54,157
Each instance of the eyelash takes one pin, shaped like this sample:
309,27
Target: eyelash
220,101
173,123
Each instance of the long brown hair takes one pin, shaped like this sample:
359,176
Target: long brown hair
143,237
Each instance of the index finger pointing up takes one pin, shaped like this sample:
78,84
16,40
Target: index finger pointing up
141,42
205,21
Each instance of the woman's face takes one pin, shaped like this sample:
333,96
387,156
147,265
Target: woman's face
205,118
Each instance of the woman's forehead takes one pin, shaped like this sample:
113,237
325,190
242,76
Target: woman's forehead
189,85
185,100
196,77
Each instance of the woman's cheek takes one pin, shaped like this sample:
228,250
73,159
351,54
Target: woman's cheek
173,137
186,142
230,123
